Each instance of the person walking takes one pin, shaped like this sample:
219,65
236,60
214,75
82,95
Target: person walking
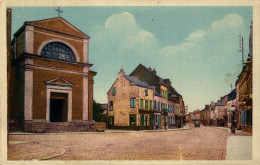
233,125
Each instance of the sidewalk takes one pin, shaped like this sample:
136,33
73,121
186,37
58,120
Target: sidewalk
239,148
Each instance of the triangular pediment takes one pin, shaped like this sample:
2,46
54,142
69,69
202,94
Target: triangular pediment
58,24
59,81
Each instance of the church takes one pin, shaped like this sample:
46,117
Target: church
51,81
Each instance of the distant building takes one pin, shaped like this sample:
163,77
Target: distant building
205,115
195,115
231,107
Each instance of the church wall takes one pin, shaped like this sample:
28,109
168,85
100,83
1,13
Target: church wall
20,43
57,64
75,42
39,92
90,96
19,96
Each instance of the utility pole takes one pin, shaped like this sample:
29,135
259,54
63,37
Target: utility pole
9,33
241,48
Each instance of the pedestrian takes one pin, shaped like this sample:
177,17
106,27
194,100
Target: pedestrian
233,126
165,125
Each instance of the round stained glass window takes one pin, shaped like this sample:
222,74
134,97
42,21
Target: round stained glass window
58,51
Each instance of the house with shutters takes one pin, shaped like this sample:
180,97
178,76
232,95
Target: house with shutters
143,100
51,80
169,101
130,103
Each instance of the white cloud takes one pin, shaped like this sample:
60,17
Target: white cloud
121,34
205,56
231,21
196,35
218,37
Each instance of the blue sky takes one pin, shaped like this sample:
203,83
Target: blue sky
196,47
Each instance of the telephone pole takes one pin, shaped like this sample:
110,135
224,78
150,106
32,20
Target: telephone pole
241,48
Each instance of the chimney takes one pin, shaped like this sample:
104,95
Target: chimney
168,82
150,69
154,71
121,73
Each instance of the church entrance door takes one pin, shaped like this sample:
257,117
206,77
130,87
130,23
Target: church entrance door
58,107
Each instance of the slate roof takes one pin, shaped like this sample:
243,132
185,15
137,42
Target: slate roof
153,79
135,81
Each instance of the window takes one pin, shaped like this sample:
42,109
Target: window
146,92
146,104
110,120
151,104
111,106
145,120
132,120
141,104
114,91
151,120
161,106
132,102
58,51
154,105
158,106
141,120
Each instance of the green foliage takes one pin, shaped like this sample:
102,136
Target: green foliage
97,111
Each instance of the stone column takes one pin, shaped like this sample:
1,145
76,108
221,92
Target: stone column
28,89
85,93
85,51
29,37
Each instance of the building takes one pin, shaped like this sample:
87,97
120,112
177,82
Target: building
195,115
51,77
155,101
205,115
231,108
221,111
164,93
244,90
130,103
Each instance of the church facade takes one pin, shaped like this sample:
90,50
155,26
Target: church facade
51,79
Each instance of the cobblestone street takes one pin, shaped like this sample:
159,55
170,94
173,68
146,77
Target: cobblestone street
204,143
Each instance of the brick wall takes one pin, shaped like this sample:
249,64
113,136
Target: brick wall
39,92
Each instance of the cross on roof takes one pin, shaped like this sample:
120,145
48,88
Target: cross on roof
59,11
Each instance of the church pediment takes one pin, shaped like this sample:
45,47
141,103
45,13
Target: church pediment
59,81
58,24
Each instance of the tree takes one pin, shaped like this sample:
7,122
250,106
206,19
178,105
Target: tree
97,111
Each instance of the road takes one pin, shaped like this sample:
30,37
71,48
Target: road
204,143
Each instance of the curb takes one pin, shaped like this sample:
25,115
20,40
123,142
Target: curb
119,131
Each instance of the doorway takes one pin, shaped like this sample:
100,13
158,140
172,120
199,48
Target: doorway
58,107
